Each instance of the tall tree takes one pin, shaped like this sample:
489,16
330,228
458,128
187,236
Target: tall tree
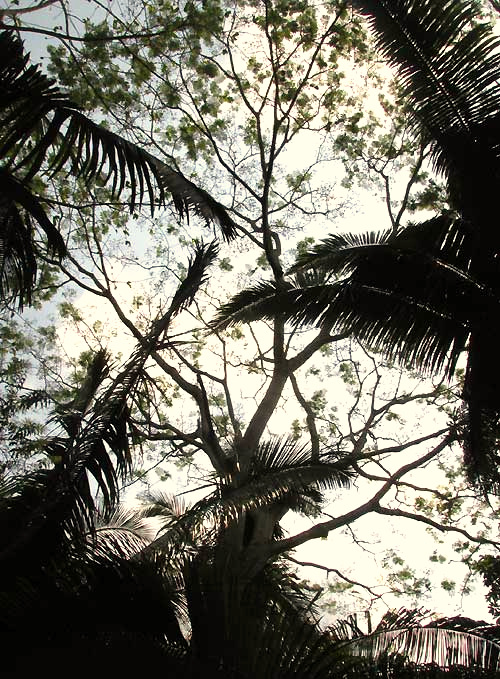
230,90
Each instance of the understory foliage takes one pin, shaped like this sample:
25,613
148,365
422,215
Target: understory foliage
185,329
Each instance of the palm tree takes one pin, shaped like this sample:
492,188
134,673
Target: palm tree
92,439
43,132
52,557
239,604
428,293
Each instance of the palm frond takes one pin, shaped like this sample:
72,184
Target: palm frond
196,276
264,301
179,528
280,584
187,196
284,454
446,240
250,629
307,278
339,253
411,295
294,648
96,452
92,454
120,615
444,643
401,323
42,131
403,328
163,505
31,103
307,306
71,414
36,398
283,473
57,505
430,44
421,297
448,63
126,533
282,467
18,266
254,303
107,426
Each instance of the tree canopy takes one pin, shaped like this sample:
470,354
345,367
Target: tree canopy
152,353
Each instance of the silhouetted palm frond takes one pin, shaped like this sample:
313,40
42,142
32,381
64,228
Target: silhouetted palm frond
127,532
34,108
48,508
285,466
282,475
424,294
112,613
442,643
339,253
448,64
261,301
44,132
196,276
410,294
162,505
91,451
